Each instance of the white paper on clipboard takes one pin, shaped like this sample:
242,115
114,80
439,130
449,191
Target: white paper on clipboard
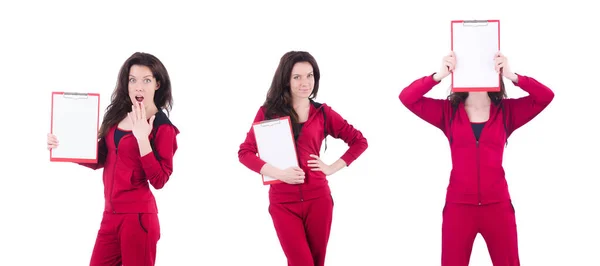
74,121
474,44
275,143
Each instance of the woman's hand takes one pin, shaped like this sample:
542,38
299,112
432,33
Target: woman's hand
448,65
318,165
52,141
292,175
141,127
502,67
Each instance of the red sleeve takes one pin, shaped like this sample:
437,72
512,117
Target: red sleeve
102,151
428,109
165,143
248,152
522,110
339,128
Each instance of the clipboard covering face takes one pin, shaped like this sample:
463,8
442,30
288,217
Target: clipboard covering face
474,43
74,121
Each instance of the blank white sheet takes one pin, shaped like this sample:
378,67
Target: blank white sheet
275,144
75,118
474,45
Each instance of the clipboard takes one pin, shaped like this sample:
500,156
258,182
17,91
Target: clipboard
276,145
474,43
74,120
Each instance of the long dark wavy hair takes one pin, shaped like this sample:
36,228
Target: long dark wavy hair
496,96
279,97
121,103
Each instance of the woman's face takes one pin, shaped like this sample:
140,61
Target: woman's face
142,85
302,80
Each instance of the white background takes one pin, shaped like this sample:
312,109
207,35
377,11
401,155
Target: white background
221,58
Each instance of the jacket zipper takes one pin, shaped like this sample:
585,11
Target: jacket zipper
300,185
478,175
112,184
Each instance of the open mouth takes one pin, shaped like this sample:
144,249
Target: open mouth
139,99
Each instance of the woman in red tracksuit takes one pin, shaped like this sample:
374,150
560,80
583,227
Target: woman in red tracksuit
477,124
136,146
301,206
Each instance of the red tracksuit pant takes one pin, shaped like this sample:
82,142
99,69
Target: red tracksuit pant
495,222
303,229
126,239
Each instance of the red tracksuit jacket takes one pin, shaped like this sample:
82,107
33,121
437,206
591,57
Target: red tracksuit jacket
127,176
309,142
477,175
